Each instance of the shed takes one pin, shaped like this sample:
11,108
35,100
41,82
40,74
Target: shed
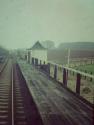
38,54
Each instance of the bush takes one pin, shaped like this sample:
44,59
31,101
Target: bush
86,90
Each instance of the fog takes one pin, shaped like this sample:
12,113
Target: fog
23,22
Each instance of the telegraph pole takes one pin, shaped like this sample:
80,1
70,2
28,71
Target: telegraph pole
68,57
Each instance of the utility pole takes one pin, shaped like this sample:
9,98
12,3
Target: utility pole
68,57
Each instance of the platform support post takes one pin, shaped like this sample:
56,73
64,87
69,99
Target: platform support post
49,69
78,82
64,77
55,72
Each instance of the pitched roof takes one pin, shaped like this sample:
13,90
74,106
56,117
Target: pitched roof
37,46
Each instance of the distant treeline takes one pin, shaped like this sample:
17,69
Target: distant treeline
3,51
77,45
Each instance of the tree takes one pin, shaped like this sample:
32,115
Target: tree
3,51
48,44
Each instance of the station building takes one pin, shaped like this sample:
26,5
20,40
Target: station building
37,54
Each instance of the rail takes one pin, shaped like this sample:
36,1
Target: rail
4,65
12,98
16,102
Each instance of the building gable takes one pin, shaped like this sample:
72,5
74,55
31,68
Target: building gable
37,46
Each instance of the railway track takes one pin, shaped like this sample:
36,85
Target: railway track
17,106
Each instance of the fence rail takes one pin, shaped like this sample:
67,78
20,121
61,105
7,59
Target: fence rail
73,70
65,72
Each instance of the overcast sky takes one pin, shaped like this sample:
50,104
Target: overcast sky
22,22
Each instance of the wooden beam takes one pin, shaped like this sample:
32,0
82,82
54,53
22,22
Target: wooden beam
55,72
78,83
64,77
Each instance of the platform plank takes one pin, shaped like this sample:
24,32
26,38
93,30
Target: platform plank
56,105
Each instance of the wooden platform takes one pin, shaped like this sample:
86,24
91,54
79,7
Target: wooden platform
56,105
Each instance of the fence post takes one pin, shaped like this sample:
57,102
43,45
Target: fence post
91,78
64,77
91,61
55,72
48,69
34,61
73,73
78,82
40,62
85,76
